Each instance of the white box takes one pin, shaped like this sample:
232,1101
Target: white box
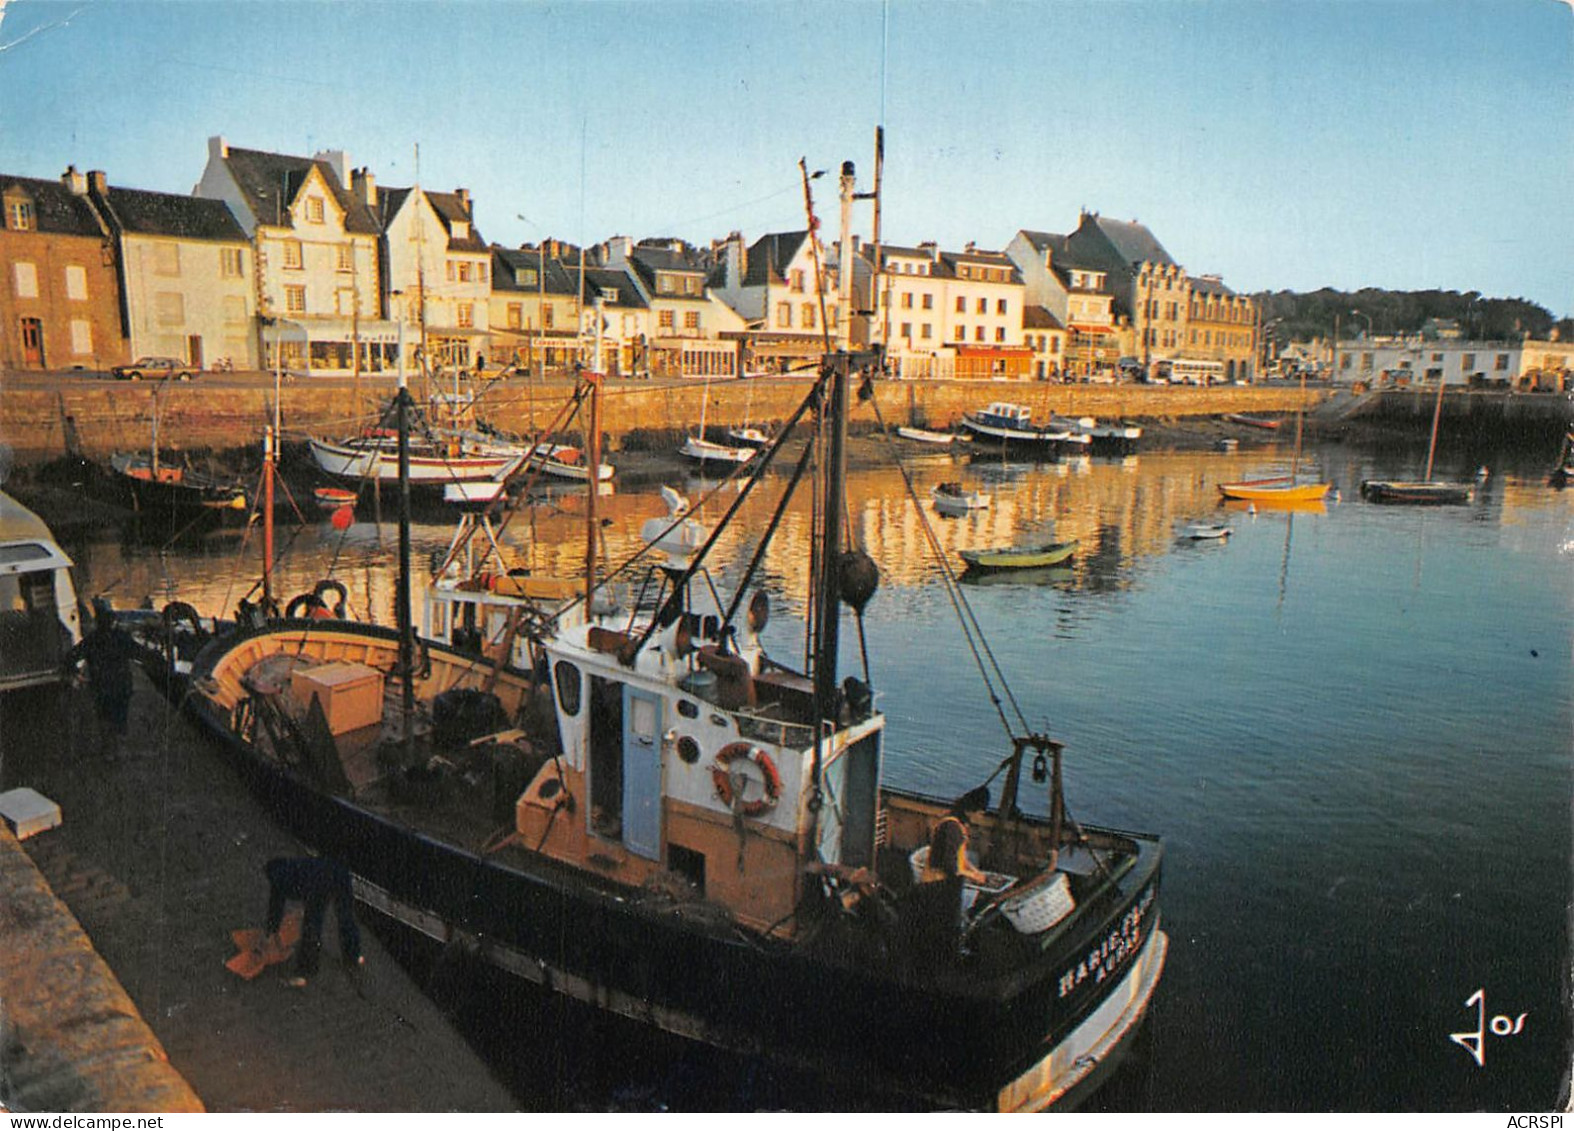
28,812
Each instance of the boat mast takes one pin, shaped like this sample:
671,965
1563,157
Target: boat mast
1437,417
828,600
593,485
402,592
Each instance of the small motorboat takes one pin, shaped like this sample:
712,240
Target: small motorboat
925,436
1228,444
708,451
748,437
332,498
1253,421
953,500
1020,557
1203,531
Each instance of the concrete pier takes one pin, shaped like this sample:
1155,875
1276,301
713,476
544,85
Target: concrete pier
160,857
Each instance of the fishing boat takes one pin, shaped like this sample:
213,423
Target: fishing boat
658,818
39,619
1020,557
925,436
374,456
954,500
1425,492
1264,422
1010,427
152,486
1205,531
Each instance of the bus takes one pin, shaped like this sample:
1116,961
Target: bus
39,618
1184,371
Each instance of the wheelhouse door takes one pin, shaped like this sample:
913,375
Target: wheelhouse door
642,773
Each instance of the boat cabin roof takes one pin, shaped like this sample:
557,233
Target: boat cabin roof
26,544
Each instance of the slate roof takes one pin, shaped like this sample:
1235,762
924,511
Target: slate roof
1041,240
1204,285
769,256
947,264
451,208
1038,318
56,209
650,256
598,278
260,176
507,260
1118,244
141,213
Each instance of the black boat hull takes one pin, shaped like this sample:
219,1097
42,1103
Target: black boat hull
937,1033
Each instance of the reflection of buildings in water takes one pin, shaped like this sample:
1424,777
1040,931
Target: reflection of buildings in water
1120,511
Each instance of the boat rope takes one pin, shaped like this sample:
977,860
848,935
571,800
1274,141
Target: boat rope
972,632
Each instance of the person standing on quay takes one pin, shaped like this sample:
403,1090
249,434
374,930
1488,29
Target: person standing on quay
108,650
314,882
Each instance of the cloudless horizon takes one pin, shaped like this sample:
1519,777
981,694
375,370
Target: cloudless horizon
1402,144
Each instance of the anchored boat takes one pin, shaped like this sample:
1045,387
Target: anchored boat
1020,557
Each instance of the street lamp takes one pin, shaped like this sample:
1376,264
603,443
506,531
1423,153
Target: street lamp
1361,314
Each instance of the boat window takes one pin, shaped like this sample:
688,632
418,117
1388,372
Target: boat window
568,687
22,552
688,709
688,750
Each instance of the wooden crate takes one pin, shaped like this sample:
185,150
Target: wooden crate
351,694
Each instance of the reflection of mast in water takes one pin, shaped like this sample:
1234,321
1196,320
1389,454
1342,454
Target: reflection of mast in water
1284,566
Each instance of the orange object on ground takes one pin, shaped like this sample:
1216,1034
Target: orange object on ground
256,951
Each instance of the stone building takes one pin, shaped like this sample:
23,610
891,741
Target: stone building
60,298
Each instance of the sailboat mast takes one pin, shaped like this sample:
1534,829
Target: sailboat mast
1437,418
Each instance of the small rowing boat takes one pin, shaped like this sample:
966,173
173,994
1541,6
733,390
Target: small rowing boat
1020,557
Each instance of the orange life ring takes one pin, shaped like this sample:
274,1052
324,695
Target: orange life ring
729,754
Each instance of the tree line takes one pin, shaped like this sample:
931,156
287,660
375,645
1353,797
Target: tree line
1302,317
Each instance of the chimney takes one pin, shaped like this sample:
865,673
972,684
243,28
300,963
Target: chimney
218,148
74,181
337,160
931,249
618,248
365,187
970,248
98,183
464,198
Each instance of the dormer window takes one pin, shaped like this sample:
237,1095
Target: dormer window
524,276
19,215
609,294
461,229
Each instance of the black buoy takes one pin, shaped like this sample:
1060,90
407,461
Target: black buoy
857,579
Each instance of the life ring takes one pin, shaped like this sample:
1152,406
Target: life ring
307,605
329,585
722,778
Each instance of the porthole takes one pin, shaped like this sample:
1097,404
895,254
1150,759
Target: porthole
688,709
688,750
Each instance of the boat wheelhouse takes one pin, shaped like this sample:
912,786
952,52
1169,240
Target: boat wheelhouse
39,619
1010,427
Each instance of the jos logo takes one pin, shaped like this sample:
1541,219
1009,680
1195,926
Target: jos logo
1501,1025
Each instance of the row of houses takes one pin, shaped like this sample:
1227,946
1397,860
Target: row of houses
309,264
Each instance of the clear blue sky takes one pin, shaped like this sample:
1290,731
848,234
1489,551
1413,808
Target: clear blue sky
1291,144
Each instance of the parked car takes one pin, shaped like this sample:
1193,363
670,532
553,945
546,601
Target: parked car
159,367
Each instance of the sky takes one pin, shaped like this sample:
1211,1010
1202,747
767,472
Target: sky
1281,144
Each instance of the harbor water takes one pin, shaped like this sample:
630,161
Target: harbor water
1351,724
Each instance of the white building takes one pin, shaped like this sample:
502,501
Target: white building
315,257
437,270
776,289
1403,360
186,274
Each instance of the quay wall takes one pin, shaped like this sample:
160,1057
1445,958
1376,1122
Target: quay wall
1479,410
72,1040
45,417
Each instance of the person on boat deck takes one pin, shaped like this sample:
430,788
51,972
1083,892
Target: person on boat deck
314,882
948,853
108,651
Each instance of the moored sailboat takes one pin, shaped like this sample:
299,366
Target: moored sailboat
1427,491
